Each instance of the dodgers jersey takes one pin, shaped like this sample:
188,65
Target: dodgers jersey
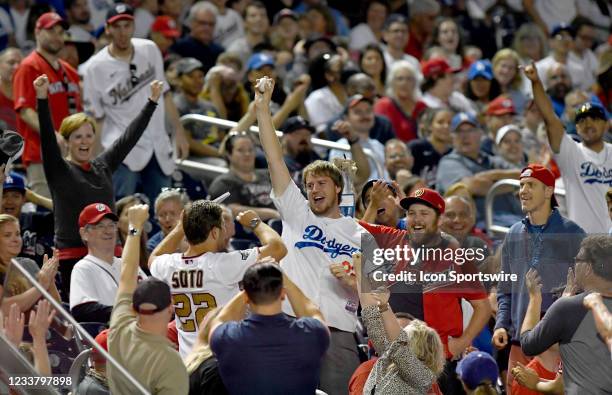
199,284
313,244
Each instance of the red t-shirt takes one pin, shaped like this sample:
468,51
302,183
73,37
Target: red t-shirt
441,306
414,46
405,126
7,112
542,372
63,86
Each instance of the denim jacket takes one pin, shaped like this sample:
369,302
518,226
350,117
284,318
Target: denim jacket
550,250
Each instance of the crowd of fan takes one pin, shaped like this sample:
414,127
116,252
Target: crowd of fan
266,292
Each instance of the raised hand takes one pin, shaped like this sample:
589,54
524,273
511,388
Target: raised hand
46,275
138,215
379,193
13,325
526,377
533,282
40,320
156,90
41,86
531,72
263,93
245,218
344,129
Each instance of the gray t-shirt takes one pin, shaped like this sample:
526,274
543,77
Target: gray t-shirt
254,194
198,130
587,366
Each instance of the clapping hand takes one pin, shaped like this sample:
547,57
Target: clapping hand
46,275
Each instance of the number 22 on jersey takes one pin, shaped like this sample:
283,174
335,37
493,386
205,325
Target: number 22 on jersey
186,303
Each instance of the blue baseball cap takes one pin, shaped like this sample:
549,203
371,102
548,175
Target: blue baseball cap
461,118
480,68
593,110
562,27
475,368
259,60
14,182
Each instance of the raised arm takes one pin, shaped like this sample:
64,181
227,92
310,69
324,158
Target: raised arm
534,286
554,126
181,142
294,100
117,152
232,311
271,243
40,319
38,200
51,153
357,154
279,174
137,216
301,305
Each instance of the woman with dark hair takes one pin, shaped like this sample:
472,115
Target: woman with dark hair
249,188
481,87
327,99
321,20
372,62
375,13
447,36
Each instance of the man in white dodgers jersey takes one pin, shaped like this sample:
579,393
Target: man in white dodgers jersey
204,277
320,244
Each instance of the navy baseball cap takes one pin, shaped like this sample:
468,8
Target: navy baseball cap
592,110
461,118
259,60
368,185
480,68
476,368
296,123
154,293
562,27
14,182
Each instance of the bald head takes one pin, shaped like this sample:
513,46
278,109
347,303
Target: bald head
459,217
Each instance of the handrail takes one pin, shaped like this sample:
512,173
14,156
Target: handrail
224,123
495,191
82,332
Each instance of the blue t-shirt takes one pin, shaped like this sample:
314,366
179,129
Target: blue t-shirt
275,354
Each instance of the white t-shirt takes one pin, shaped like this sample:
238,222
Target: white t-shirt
581,77
99,10
313,244
554,12
95,280
589,63
199,284
378,150
361,35
456,102
228,28
108,94
322,106
587,175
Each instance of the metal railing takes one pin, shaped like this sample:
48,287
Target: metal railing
500,188
81,332
223,123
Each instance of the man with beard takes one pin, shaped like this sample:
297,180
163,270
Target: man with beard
586,167
79,15
437,303
297,148
64,93
320,242
205,277
545,241
559,84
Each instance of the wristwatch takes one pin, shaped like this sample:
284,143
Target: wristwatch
132,231
254,223
383,307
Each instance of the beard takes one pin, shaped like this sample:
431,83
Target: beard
52,49
303,157
559,91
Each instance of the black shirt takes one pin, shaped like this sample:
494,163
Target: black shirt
37,235
426,160
189,47
206,379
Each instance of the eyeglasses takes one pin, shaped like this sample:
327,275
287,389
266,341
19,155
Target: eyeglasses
133,77
112,226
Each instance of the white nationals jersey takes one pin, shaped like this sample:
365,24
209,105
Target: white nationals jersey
199,284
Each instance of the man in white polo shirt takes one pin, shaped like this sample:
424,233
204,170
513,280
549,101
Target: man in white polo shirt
586,167
95,278
320,243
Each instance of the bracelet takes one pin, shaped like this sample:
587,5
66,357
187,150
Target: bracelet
132,231
383,308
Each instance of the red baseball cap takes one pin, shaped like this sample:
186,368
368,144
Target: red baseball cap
49,20
95,213
165,25
425,196
436,67
102,340
542,174
501,105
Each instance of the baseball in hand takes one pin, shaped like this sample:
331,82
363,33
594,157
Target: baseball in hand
263,83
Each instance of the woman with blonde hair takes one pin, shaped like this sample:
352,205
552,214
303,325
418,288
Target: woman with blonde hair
411,358
81,178
201,364
14,288
506,64
530,43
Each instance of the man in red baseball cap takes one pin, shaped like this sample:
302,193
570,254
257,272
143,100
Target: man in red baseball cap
95,380
64,98
439,305
439,88
164,33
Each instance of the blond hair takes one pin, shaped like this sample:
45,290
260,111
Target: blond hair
324,168
201,352
426,345
484,388
16,284
72,123
508,53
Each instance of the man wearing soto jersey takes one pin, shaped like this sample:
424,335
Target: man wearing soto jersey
204,277
321,243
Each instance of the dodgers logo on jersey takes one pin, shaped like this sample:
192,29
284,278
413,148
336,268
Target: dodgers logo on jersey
591,174
314,237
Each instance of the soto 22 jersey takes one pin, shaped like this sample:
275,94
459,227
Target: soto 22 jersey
199,284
